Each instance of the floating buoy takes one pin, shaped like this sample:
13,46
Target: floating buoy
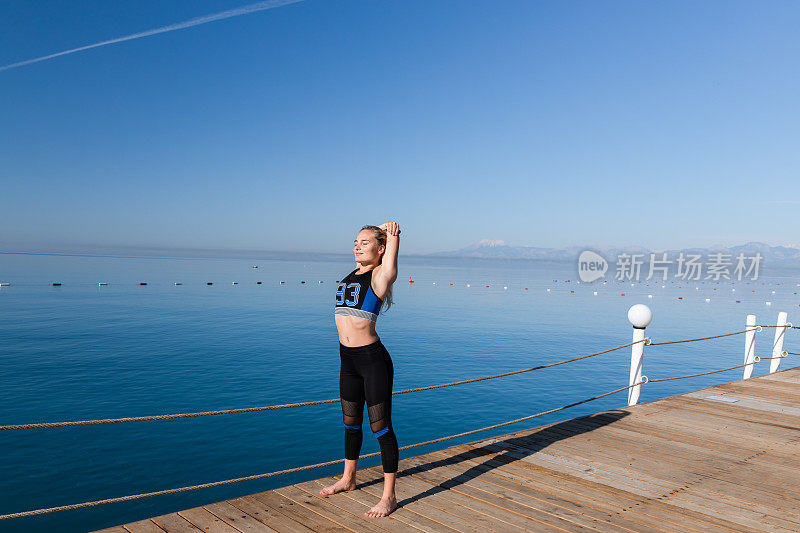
768,303
773,292
622,294
234,282
320,282
410,280
255,266
468,285
505,288
102,284
708,299
487,285
434,283
452,285
554,281
56,284
258,283
548,290
572,292
738,301
733,290
302,282
680,297
595,293
209,282
526,288
141,283
6,284
178,283
649,295
282,282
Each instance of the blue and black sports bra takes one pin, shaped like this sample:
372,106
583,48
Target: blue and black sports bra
355,297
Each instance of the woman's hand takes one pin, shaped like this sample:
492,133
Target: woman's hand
391,228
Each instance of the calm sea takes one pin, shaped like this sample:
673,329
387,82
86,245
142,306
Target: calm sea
82,351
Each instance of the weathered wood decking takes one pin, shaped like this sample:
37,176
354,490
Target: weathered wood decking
719,459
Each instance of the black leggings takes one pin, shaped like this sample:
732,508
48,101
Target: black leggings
366,375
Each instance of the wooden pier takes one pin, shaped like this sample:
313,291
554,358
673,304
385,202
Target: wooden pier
723,458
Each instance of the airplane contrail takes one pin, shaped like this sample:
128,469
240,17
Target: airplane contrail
244,10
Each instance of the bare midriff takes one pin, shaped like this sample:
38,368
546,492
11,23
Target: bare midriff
355,331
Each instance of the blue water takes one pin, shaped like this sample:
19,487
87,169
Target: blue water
81,351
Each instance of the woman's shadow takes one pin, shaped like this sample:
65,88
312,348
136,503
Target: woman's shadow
519,448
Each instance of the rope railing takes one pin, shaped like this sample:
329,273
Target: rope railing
43,425
299,468
756,360
784,354
756,329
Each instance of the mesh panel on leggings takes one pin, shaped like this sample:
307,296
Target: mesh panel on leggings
376,412
353,409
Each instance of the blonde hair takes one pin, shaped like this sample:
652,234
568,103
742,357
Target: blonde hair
380,236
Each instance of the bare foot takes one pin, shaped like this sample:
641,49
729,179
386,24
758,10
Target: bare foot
341,485
384,508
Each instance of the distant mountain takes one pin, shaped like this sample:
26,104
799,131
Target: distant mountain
788,255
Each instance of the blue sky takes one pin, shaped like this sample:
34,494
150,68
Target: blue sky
666,125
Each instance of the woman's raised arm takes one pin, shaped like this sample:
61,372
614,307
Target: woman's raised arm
387,274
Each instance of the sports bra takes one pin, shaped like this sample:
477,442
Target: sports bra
355,297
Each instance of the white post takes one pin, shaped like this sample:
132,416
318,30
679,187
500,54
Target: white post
639,316
749,346
777,346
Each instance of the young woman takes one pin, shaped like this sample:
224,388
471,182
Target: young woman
366,373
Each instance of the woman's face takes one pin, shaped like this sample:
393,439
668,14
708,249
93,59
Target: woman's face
366,248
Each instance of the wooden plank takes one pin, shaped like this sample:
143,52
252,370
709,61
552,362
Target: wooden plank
410,519
353,505
457,480
451,502
323,507
746,407
143,526
747,466
647,512
427,515
174,523
674,472
680,440
299,513
678,459
238,518
578,512
266,515
642,487
114,529
664,489
500,518
207,521
690,431
779,377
